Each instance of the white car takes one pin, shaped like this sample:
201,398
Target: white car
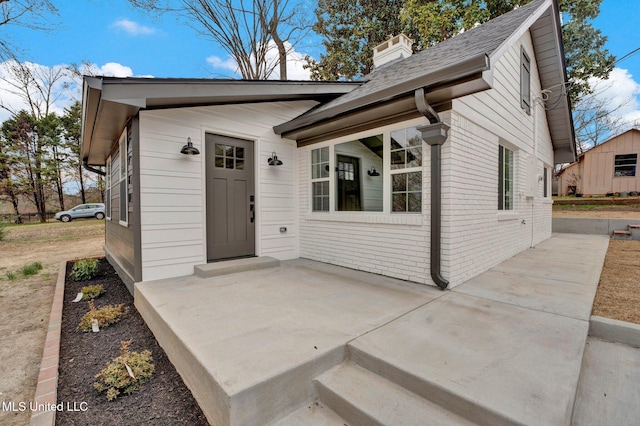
83,210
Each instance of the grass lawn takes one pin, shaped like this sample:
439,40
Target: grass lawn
29,262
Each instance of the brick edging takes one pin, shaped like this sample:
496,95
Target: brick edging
47,387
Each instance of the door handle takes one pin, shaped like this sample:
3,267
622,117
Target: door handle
253,212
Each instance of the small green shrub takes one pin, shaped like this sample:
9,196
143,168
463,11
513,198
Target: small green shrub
105,316
31,269
115,379
84,269
91,292
3,233
11,276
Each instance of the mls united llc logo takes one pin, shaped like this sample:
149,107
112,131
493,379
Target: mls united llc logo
43,406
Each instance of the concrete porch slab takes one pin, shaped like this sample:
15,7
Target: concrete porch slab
492,363
248,345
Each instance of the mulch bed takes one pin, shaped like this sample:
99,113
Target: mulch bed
164,400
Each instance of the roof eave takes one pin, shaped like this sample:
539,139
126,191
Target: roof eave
471,69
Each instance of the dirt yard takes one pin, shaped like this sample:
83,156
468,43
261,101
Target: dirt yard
618,295
25,301
629,211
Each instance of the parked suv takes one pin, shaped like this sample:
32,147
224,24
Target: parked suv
83,210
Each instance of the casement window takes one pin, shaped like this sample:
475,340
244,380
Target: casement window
505,178
525,81
122,179
107,189
625,165
320,179
406,170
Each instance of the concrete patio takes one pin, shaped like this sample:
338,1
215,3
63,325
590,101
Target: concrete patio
310,343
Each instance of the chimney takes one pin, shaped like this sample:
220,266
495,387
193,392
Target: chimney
398,47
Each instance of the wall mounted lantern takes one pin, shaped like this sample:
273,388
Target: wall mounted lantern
273,161
189,149
373,172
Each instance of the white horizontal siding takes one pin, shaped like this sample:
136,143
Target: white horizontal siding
172,187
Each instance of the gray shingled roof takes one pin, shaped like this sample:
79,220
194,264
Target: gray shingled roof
481,40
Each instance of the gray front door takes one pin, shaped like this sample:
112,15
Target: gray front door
230,197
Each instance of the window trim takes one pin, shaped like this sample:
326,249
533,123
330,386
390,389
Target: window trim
320,179
122,178
107,189
502,194
525,81
386,215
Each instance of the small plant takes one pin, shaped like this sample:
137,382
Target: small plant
91,292
105,316
84,269
11,276
116,378
3,233
31,269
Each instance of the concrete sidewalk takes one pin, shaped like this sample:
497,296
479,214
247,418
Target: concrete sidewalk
310,343
503,348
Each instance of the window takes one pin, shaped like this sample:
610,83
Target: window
505,178
229,157
320,179
359,184
525,81
406,170
625,165
107,191
546,182
124,195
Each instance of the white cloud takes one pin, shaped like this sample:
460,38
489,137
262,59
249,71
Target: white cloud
295,63
620,92
223,64
133,28
66,91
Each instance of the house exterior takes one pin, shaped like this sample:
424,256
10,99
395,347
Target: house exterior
609,168
434,168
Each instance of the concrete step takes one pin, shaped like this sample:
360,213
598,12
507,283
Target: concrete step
312,414
621,235
227,267
361,397
635,232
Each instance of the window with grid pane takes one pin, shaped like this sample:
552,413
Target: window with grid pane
229,157
406,170
320,179
505,178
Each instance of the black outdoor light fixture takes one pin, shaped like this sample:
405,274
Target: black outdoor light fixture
273,161
189,149
373,172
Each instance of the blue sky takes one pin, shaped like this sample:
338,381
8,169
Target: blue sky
123,41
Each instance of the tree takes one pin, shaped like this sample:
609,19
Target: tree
8,187
585,53
28,150
245,29
71,124
350,29
34,14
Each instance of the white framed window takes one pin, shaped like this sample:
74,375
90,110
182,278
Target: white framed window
107,189
505,178
122,179
406,170
625,165
320,179
547,180
525,81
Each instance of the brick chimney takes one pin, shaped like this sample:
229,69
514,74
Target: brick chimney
398,47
